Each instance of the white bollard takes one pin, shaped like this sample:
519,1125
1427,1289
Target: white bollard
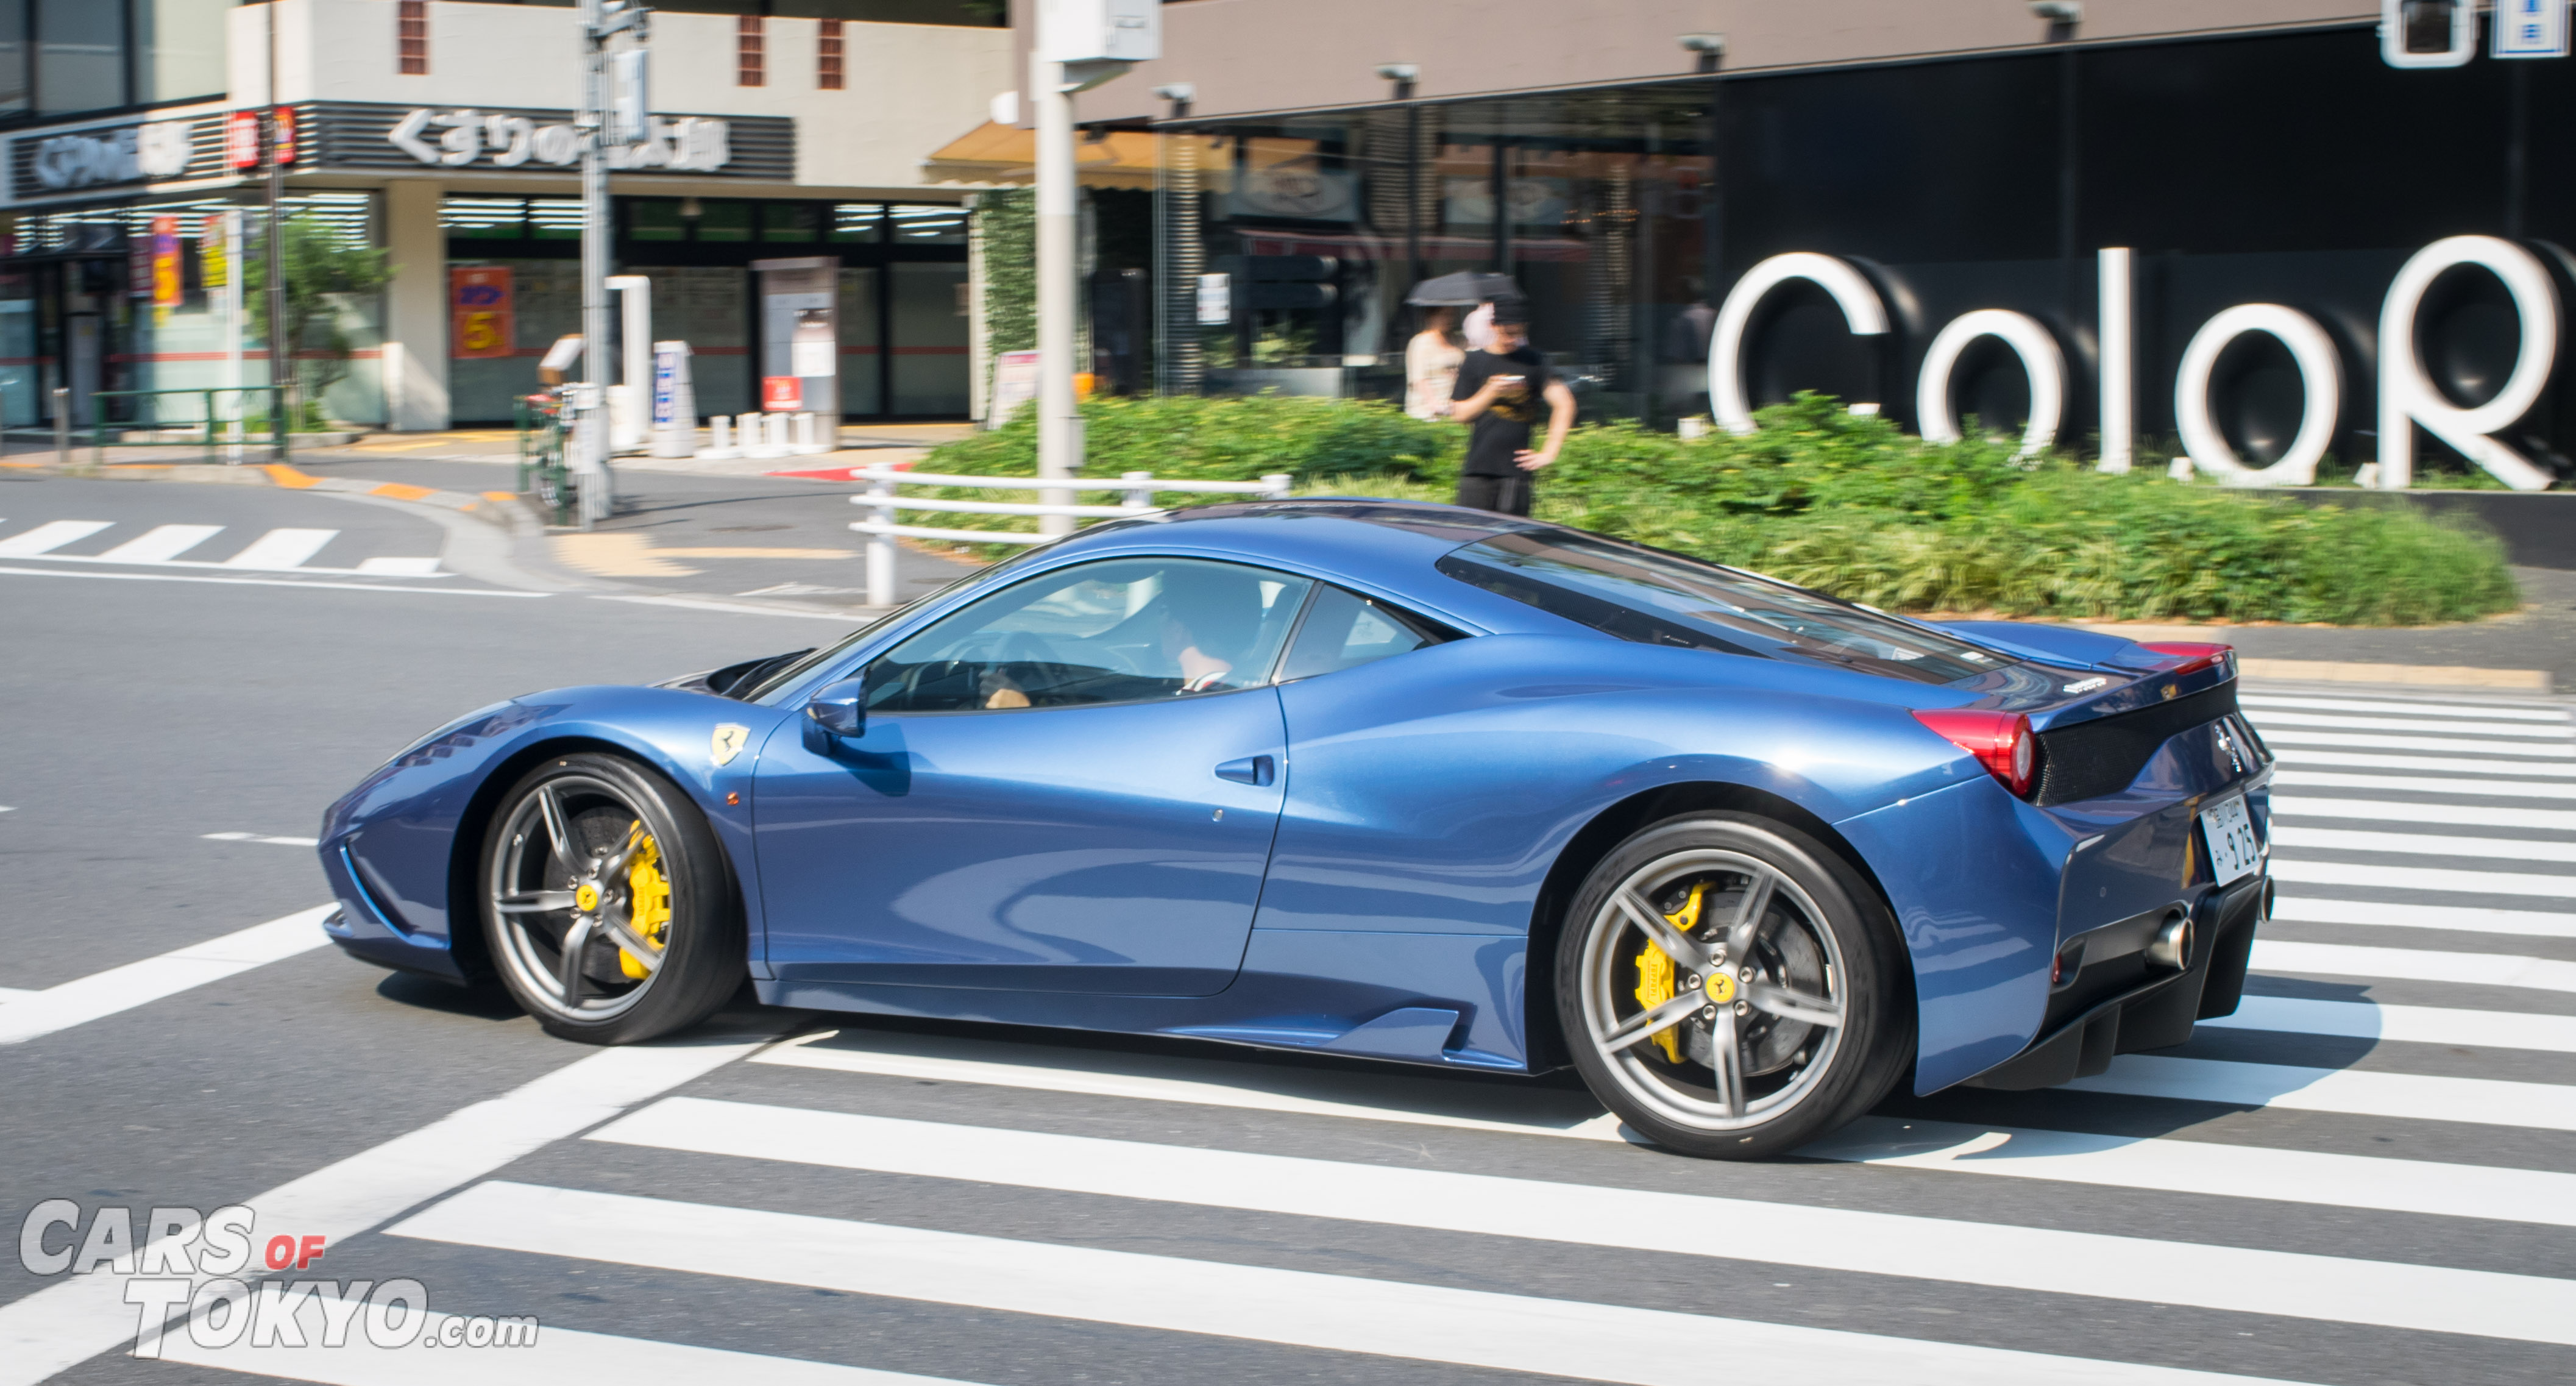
719,439
778,444
1279,484
756,441
881,546
1138,497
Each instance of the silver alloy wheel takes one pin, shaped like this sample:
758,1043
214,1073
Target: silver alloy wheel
1757,992
562,890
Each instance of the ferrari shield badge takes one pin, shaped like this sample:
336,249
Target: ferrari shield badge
727,742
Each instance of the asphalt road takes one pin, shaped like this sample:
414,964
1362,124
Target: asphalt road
2369,1177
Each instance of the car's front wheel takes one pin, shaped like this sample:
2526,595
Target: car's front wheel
607,902
1728,987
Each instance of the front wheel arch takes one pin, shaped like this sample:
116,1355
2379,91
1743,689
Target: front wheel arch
1545,1041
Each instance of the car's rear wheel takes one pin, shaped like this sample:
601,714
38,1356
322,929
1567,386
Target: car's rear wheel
1728,987
609,909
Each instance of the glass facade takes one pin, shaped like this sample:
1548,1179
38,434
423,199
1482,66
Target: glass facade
903,346
65,57
2290,168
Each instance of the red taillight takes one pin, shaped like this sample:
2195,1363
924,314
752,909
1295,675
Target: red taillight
2001,741
2198,656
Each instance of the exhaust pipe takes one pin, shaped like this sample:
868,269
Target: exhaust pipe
2171,947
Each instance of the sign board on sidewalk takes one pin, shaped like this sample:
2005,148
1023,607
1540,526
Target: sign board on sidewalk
1015,382
2530,29
481,309
1216,298
675,402
782,393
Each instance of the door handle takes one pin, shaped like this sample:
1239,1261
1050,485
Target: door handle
1251,770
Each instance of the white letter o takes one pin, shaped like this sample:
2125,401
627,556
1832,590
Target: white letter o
2320,376
1859,302
2040,360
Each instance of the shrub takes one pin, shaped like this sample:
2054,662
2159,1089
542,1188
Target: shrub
1848,505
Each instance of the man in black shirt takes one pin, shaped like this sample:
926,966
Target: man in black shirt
1499,394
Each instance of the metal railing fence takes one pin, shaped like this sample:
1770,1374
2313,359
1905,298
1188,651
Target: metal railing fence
207,417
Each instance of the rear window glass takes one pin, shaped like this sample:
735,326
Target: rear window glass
1657,598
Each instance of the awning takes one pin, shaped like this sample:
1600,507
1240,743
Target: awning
993,153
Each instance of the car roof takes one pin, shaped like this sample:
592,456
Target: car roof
1385,543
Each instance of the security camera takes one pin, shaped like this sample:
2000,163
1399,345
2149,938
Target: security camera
2059,11
1177,91
1711,44
1398,72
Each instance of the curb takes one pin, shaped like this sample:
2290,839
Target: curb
2398,675
269,474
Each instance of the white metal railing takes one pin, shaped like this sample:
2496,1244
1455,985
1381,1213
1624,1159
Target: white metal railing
883,529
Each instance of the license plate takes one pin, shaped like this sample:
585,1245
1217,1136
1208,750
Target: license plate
2228,828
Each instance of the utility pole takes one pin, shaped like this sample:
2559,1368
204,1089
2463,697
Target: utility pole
1080,44
601,22
281,353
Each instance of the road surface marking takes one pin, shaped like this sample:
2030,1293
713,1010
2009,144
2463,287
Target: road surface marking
2414,965
2453,764
2466,918
399,567
101,994
2409,1024
49,536
2411,1096
282,548
282,582
2391,811
2497,711
1385,1318
263,837
2424,878
161,544
2426,784
2421,844
2286,736
2266,721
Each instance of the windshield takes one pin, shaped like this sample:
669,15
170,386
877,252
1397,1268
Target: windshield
788,674
1657,598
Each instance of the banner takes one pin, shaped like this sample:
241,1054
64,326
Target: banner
214,255
166,286
479,308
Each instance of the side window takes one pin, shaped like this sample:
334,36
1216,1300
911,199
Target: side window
1118,631
1345,630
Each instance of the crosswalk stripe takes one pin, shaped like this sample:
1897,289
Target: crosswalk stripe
2544,1197
804,1052
558,1356
2448,765
102,994
2464,918
49,536
2003,1256
398,567
2424,878
2414,964
2413,1096
161,543
2421,844
1384,1318
2300,736
2492,710
2425,784
282,548
2265,722
2409,1024
2391,811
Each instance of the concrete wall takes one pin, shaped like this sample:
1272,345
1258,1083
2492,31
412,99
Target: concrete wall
1248,56
415,351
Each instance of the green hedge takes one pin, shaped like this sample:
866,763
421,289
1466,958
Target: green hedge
1847,504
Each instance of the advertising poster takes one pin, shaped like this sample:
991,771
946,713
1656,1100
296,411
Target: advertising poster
480,307
166,285
800,337
214,253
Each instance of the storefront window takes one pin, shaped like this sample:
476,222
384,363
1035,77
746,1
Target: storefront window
930,320
927,225
724,222
19,373
80,56
655,219
554,218
789,222
484,218
13,58
857,221
178,48
862,343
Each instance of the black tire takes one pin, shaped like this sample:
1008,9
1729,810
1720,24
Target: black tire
532,905
1822,945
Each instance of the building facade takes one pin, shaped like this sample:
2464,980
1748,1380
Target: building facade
1631,162
440,131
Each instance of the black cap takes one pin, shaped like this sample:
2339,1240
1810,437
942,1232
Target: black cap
1511,312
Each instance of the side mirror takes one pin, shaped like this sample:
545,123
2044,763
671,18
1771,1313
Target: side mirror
840,708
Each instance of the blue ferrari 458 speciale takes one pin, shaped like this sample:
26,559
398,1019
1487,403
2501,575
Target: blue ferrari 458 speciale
1392,780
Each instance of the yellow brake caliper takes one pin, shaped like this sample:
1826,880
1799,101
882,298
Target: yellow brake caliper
650,891
1655,973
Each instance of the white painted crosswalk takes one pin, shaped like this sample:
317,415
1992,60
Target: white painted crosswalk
187,546
2360,1176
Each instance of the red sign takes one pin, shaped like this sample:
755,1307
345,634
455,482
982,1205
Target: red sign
479,312
165,262
284,116
241,139
782,392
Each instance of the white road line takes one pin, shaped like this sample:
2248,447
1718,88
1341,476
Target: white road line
1384,1318
2289,736
2464,918
2414,1096
2448,765
803,1052
263,837
2414,965
2410,1024
2425,878
559,1356
2494,710
2422,844
2391,811
161,543
399,567
49,536
2264,722
2002,1256
15,994
278,582
2367,1182
282,548
70,1321
100,994
2425,784
729,608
